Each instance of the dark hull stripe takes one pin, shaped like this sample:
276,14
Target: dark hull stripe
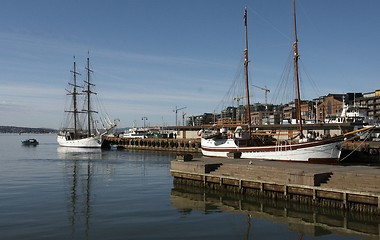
275,148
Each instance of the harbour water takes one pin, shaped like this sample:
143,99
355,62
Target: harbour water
49,192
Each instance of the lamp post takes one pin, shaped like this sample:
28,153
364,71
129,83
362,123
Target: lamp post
144,118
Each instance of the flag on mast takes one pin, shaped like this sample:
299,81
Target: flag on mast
245,16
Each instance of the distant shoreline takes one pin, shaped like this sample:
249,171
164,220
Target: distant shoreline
20,130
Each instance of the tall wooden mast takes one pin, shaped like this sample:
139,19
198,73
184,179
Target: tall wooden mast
246,61
88,93
75,94
296,75
75,100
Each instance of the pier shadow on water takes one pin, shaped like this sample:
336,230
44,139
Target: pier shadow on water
304,219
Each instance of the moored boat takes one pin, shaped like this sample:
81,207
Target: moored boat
135,133
30,142
244,142
81,128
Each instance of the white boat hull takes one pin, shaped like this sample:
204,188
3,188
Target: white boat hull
90,142
316,151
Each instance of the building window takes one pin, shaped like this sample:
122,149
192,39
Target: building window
329,108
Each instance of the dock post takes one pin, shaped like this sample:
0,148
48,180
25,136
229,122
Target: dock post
285,191
344,200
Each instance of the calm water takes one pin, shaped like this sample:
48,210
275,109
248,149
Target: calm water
48,192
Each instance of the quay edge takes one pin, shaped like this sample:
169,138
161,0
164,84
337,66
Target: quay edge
312,184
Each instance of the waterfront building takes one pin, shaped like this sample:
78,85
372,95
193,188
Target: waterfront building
330,108
372,101
324,109
204,119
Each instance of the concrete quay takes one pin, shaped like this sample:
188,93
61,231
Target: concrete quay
355,188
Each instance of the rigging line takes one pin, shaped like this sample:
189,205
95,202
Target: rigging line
368,134
305,13
270,23
282,86
313,83
228,97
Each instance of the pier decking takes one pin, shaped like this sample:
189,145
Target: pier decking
347,187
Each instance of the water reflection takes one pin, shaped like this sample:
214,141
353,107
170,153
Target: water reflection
79,175
303,219
68,153
79,169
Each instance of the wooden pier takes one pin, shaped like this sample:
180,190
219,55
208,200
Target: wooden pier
156,144
353,188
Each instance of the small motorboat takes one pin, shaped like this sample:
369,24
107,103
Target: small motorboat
30,142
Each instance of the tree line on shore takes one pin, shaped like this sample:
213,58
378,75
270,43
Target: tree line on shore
20,130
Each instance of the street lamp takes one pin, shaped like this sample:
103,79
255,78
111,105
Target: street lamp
144,118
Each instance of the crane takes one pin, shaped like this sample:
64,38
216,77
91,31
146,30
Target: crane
266,93
237,117
176,113
238,99
266,90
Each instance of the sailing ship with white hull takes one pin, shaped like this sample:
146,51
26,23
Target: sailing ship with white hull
243,141
81,129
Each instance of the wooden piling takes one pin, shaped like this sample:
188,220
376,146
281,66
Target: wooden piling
155,144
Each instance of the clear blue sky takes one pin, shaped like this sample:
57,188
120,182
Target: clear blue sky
151,56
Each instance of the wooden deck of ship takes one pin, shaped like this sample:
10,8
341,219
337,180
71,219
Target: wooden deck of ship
347,187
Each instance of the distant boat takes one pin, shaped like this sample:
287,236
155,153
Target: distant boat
243,142
81,129
135,133
352,114
30,142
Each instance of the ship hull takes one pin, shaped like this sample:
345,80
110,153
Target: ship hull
90,142
325,151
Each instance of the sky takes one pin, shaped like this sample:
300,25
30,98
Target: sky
152,56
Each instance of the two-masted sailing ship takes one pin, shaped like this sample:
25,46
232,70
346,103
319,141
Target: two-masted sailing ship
81,126
243,141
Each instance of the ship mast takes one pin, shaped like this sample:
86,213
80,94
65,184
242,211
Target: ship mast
75,100
88,93
246,72
296,75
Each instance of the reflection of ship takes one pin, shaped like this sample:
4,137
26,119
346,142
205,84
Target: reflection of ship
298,217
75,197
79,153
80,165
79,168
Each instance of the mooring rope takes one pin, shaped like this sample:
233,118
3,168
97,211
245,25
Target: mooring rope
368,134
